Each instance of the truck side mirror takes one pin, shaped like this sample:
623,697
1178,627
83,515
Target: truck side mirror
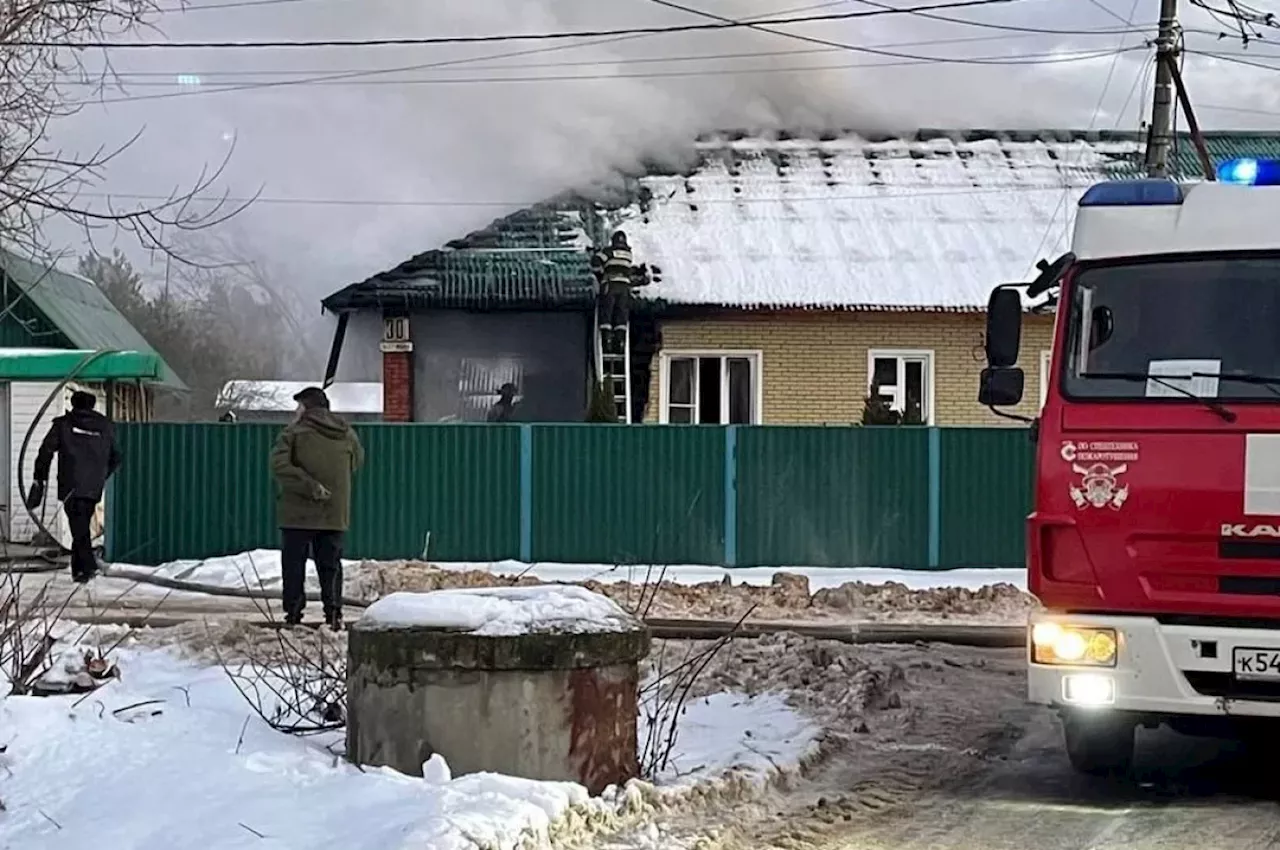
1001,387
1004,327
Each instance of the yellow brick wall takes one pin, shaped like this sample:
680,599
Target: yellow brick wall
815,363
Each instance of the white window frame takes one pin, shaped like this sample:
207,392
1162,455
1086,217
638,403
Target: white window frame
1046,363
755,357
903,355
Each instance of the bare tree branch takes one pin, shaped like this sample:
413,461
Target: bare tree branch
40,183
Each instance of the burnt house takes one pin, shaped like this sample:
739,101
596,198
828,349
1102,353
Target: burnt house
510,304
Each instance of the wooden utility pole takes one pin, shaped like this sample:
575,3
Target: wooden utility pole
1160,137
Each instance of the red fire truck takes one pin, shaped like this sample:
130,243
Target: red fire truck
1154,540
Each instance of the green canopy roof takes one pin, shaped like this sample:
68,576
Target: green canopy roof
54,364
81,311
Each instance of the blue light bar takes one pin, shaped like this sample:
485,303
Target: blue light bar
1248,171
1133,193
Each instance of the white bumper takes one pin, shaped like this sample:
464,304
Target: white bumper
1152,666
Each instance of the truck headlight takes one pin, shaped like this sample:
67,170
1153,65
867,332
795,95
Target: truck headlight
1080,646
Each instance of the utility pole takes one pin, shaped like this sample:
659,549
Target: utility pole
1160,136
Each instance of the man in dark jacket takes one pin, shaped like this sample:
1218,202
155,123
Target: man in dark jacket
85,443
312,462
504,409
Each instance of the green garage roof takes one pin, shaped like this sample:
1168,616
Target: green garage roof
54,364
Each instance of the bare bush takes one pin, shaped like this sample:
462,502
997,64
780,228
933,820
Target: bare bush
295,679
31,627
664,696
27,632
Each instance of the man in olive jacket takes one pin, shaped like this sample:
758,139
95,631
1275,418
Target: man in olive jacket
312,462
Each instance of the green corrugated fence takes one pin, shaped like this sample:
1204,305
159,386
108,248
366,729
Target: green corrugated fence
928,498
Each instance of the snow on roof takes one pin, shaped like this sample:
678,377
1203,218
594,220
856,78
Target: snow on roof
267,396
501,611
908,224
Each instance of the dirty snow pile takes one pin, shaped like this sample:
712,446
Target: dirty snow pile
783,596
839,683
170,755
794,594
501,611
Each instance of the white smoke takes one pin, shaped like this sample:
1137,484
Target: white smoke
456,139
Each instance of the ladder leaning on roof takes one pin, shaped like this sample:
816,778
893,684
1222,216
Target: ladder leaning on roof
613,368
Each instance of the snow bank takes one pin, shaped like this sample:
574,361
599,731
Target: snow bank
189,772
171,756
820,578
261,568
814,594
498,611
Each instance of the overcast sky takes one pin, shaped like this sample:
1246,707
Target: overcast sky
475,132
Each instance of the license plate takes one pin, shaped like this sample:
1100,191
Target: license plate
1256,664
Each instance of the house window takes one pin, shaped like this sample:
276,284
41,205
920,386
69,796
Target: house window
1045,365
712,388
904,379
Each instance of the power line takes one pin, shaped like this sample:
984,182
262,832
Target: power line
1111,72
1243,110
1056,58
762,26
508,54
1129,27
1100,5
907,195
489,39
1236,59
1097,110
579,63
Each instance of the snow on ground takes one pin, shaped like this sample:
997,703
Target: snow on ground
102,774
496,611
793,593
725,732
171,755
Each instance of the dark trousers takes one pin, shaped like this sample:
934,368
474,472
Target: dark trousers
79,513
614,305
325,547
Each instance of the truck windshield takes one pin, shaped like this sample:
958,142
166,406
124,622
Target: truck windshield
1203,327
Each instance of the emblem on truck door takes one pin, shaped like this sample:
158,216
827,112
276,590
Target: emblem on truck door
1099,463
1099,486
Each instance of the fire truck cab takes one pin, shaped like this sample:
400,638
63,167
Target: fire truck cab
1153,544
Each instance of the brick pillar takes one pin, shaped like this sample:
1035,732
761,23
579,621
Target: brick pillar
397,370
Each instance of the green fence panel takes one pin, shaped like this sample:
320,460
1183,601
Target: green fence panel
985,495
828,497
460,483
190,491
627,494
599,494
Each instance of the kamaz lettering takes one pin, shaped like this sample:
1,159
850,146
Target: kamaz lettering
1242,530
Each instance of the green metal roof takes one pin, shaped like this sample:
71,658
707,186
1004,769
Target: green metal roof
1222,145
54,364
80,310
535,259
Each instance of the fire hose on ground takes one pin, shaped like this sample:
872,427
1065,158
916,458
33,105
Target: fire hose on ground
53,566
